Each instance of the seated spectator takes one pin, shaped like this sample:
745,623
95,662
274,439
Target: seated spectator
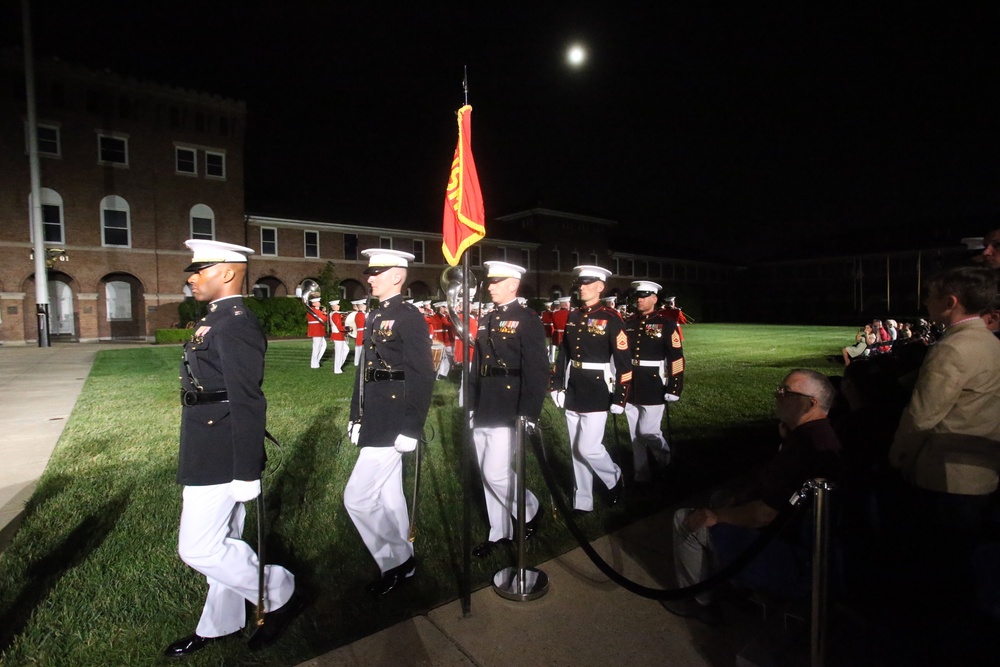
904,331
947,444
890,328
713,536
881,335
991,249
860,347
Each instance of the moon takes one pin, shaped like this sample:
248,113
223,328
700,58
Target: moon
576,55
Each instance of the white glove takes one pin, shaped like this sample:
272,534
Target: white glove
617,409
670,398
559,398
354,431
405,444
530,426
243,491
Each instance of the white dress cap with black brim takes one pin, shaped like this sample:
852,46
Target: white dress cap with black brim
359,302
208,253
646,287
497,270
383,259
588,273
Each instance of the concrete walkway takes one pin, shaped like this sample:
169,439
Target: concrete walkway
583,620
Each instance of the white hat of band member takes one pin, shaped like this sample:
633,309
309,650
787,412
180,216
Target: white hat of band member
382,259
440,304
315,296
646,287
563,299
207,253
547,304
610,299
359,302
588,273
496,270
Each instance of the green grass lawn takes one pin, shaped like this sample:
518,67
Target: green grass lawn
92,576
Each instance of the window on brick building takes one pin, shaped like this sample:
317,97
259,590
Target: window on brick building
526,259
186,160
350,246
48,139
311,241
418,251
476,256
53,227
115,223
215,164
385,242
268,241
555,260
112,149
202,222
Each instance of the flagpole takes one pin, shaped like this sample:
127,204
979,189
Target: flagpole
466,587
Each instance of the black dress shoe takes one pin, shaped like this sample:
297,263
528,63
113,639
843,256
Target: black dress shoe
616,491
486,548
191,644
393,578
275,622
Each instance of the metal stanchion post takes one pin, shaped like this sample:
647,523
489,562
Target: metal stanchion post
821,534
520,583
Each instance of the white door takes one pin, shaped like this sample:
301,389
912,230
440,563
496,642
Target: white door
60,309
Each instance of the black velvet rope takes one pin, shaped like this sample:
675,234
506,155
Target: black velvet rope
725,573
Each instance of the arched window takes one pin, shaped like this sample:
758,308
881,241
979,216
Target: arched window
116,228
202,222
53,227
119,296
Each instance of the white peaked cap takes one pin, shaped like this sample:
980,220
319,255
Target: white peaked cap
497,269
646,286
207,253
359,302
380,259
591,271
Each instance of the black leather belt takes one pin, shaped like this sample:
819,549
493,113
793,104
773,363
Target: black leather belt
496,371
383,375
189,397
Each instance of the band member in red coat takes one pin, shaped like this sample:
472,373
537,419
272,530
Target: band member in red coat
358,324
559,317
316,319
338,337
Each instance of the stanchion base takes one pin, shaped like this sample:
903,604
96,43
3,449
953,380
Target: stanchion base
507,584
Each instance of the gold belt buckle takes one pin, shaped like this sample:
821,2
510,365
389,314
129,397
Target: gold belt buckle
577,364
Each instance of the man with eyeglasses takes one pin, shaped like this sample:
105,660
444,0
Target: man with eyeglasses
710,536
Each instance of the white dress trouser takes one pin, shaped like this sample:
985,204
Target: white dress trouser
586,435
374,499
339,355
644,431
319,348
357,353
496,455
209,542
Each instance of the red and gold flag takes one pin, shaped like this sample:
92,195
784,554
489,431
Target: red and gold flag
464,219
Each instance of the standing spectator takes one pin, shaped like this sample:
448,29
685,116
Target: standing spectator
593,373
657,377
316,328
337,337
948,441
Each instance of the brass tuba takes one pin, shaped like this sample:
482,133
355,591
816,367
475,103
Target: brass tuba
456,289
306,290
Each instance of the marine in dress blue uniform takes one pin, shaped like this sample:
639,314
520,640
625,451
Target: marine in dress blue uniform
657,377
593,373
222,453
511,379
391,399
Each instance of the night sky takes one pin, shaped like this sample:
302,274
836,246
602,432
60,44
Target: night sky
719,131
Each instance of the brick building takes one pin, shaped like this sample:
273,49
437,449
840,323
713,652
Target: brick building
129,170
